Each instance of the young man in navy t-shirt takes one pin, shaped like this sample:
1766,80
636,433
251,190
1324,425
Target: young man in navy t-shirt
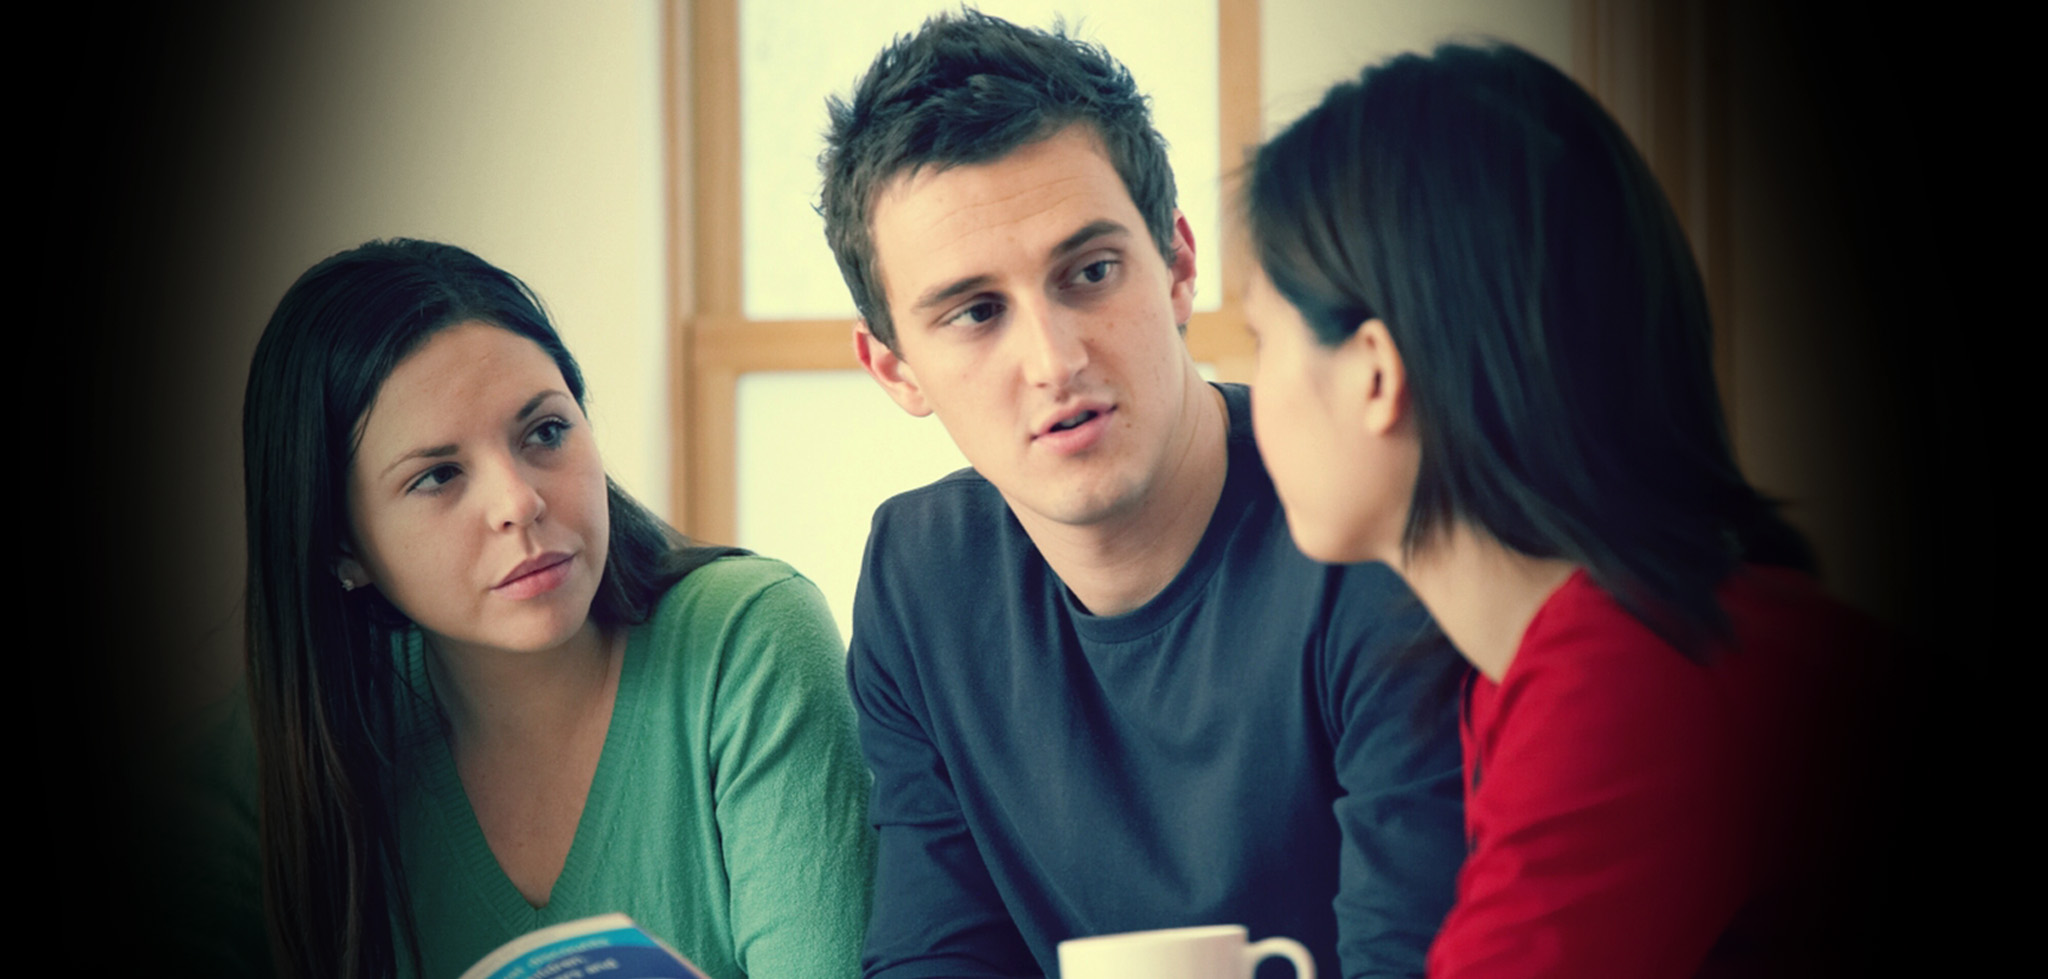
1099,688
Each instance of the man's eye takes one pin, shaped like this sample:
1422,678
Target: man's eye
977,314
1095,272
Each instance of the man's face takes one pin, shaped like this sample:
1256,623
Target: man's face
1035,316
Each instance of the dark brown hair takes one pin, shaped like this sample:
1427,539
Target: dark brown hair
1537,284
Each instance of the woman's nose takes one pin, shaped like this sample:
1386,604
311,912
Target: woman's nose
517,501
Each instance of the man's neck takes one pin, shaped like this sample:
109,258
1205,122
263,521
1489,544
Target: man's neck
1117,565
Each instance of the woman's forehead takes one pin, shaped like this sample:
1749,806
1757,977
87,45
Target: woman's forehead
468,374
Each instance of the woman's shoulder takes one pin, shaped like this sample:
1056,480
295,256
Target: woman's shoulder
742,593
1583,624
1770,606
736,574
1588,655
749,638
1583,631
728,583
1588,670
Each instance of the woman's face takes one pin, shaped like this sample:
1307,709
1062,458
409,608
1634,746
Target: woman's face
1344,469
476,497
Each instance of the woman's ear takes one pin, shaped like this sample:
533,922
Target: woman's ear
352,574
1381,378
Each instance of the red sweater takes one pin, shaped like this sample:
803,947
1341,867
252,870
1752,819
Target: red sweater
1623,803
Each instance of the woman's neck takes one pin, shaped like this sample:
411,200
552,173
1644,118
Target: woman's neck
526,731
1481,593
493,697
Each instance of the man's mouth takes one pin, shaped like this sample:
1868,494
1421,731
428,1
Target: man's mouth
1075,422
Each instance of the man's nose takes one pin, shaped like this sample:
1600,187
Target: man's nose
1053,349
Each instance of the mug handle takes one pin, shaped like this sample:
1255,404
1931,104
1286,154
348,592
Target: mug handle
1304,965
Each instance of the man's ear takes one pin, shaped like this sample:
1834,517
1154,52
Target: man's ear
1377,376
889,370
1182,270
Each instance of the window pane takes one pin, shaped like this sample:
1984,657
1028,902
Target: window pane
818,452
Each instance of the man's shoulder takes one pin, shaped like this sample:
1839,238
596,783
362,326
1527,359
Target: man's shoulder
938,551
961,487
959,509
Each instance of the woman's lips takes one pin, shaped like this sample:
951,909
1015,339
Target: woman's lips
535,576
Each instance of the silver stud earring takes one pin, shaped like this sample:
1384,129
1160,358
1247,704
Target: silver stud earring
348,584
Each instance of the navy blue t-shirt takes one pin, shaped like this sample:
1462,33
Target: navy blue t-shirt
1264,743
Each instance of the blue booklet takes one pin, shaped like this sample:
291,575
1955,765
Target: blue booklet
609,946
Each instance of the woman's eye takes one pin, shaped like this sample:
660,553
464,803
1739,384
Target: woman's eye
549,433
433,479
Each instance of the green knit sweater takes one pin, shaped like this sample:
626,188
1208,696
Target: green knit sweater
728,814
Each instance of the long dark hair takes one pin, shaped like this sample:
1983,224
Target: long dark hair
1537,285
322,678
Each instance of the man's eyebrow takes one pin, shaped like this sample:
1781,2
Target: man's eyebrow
941,295
1088,233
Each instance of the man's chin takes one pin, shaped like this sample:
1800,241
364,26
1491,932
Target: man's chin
1074,506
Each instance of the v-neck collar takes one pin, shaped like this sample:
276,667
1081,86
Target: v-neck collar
449,803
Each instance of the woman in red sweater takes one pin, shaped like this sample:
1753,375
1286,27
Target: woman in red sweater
1485,358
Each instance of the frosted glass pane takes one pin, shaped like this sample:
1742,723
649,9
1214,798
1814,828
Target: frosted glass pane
795,52
818,452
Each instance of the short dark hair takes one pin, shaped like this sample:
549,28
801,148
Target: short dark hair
1540,290
322,681
970,89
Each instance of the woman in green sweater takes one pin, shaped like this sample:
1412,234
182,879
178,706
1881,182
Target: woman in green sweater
492,693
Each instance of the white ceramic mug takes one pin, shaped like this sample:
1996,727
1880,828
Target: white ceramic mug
1209,952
